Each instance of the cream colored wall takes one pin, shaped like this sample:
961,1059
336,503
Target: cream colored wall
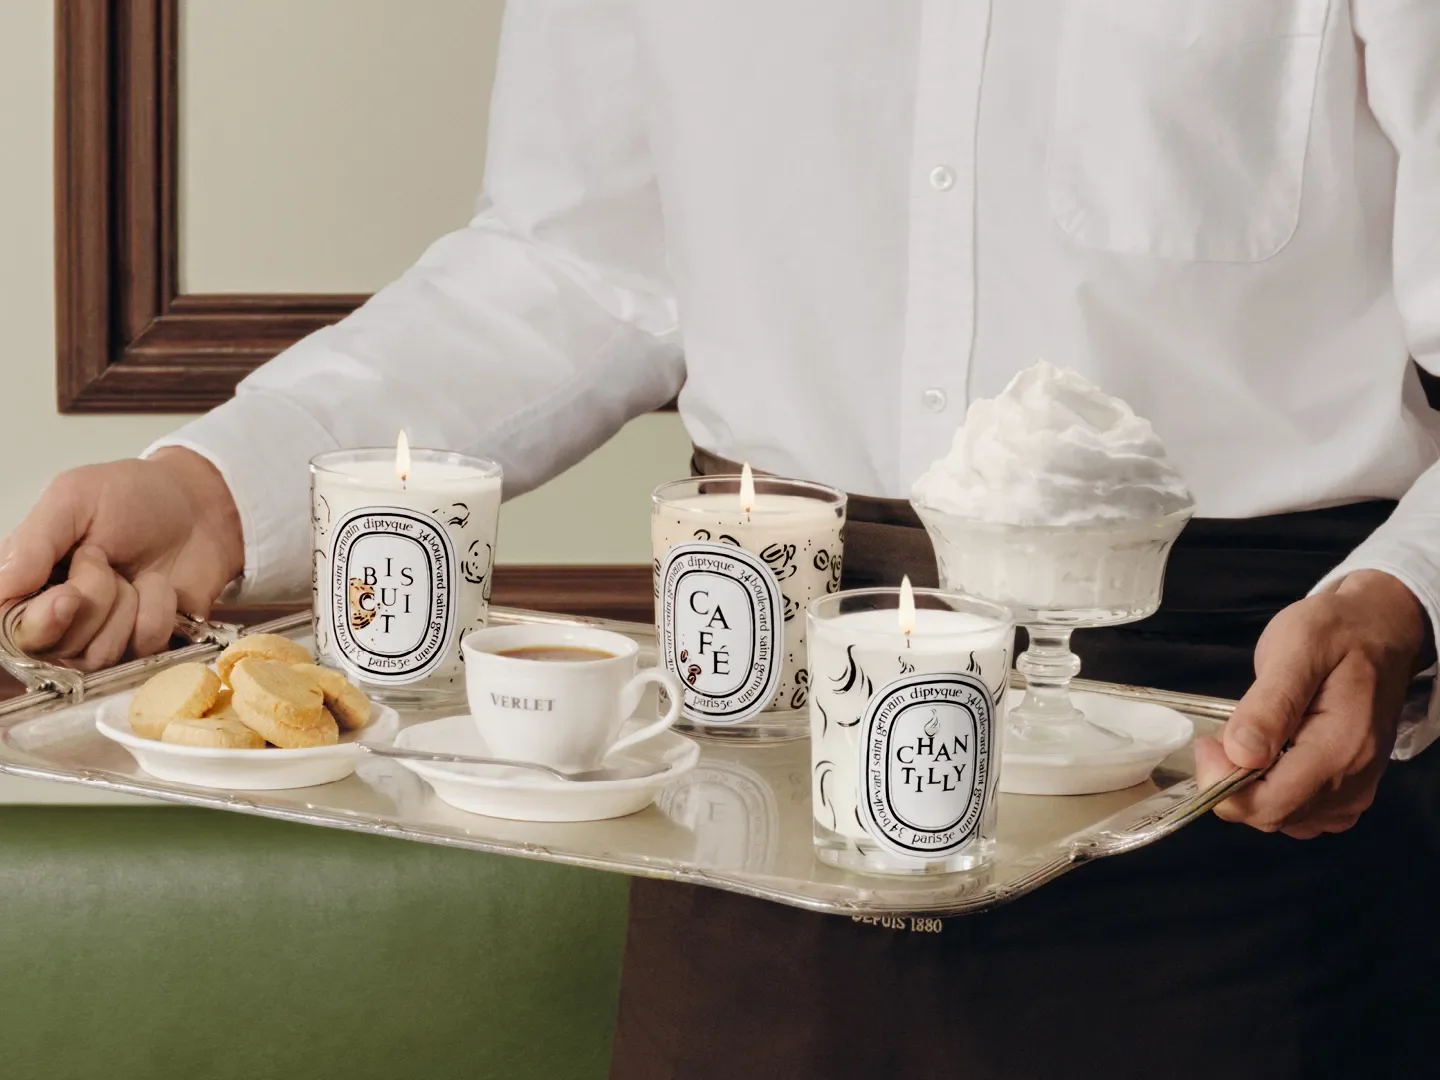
325,142
359,137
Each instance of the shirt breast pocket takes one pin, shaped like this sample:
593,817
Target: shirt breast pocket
1180,126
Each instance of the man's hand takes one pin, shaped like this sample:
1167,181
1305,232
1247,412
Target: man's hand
141,537
1331,674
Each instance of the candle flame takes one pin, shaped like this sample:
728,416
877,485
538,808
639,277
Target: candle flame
402,457
907,607
747,489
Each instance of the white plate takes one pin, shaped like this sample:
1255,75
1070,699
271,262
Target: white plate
524,795
1158,732
270,769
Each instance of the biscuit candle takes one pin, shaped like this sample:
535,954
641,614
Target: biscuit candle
402,561
737,560
907,696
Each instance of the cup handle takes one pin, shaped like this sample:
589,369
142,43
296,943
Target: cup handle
630,697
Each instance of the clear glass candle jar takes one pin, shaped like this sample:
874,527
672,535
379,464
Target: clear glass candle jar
402,567
906,712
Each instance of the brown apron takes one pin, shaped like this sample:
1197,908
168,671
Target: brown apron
1221,951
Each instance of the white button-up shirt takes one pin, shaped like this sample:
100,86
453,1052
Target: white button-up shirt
835,224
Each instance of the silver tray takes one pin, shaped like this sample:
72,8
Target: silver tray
740,821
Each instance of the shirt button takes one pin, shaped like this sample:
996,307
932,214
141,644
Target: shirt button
942,178
934,399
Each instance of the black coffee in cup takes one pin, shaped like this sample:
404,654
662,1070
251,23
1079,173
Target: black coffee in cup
564,653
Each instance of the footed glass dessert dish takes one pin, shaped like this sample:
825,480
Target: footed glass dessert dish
1056,578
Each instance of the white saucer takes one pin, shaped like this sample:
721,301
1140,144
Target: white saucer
270,769
1158,732
524,795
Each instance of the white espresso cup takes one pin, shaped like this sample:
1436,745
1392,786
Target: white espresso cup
563,713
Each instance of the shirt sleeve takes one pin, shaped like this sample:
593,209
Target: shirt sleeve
530,336
1402,70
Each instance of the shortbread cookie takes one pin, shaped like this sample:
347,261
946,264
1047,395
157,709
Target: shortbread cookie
183,691
289,737
212,731
283,705
274,688
262,647
346,701
224,704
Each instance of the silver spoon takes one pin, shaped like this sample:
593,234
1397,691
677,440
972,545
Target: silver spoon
585,776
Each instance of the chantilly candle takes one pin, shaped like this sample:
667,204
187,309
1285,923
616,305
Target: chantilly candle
737,560
907,702
403,557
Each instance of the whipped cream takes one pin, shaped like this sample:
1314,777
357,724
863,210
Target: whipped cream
1053,449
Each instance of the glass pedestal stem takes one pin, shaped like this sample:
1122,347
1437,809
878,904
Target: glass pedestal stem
1048,666
1047,716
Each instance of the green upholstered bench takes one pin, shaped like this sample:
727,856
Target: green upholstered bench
168,942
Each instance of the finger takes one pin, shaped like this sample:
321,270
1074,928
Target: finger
1277,799
91,575
1335,821
1272,709
1211,764
1320,826
53,526
46,618
155,616
196,597
108,644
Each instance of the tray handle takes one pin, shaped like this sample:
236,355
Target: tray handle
32,673
1202,802
1190,803
38,675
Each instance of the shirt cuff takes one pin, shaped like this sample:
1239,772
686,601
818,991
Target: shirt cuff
1420,717
262,444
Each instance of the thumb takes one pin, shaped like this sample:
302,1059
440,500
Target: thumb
1272,710
54,525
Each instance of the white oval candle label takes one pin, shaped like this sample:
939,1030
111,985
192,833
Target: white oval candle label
392,612
925,763
722,620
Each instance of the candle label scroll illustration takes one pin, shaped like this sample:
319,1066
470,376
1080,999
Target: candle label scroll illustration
925,744
722,625
392,579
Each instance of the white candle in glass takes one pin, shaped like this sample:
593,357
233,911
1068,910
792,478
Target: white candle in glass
737,560
402,565
906,710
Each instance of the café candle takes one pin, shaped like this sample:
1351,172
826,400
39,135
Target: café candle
907,702
402,560
737,560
